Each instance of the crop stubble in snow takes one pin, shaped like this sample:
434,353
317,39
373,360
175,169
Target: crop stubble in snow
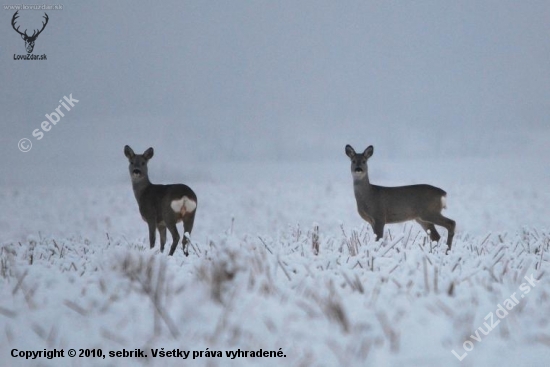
76,278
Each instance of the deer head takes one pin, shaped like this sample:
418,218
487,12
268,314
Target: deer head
29,40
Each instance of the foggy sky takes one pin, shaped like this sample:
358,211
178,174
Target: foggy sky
205,81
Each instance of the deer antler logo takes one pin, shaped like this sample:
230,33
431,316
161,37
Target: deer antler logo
29,40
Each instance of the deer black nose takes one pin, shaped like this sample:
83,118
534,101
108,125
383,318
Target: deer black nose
358,170
136,172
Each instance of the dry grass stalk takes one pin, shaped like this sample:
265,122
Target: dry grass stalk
389,331
315,240
151,278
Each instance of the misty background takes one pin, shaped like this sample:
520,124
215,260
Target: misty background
213,84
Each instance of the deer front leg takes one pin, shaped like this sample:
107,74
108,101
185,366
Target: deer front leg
378,228
377,225
366,217
162,232
152,233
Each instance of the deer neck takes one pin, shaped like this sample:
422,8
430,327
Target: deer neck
362,184
140,186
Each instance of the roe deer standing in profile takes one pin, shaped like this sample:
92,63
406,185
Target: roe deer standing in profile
379,205
161,206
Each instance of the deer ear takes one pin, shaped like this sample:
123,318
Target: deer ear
128,152
148,154
23,36
350,152
368,152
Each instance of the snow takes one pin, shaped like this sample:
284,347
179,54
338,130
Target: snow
76,271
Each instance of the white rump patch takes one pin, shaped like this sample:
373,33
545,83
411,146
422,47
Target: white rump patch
183,205
444,202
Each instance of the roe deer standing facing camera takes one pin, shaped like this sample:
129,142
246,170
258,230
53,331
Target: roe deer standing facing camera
161,206
379,205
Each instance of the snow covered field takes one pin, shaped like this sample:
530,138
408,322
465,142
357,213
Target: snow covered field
76,271
251,104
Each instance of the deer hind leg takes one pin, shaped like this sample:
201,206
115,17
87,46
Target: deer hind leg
162,231
429,227
171,225
443,221
185,210
187,228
